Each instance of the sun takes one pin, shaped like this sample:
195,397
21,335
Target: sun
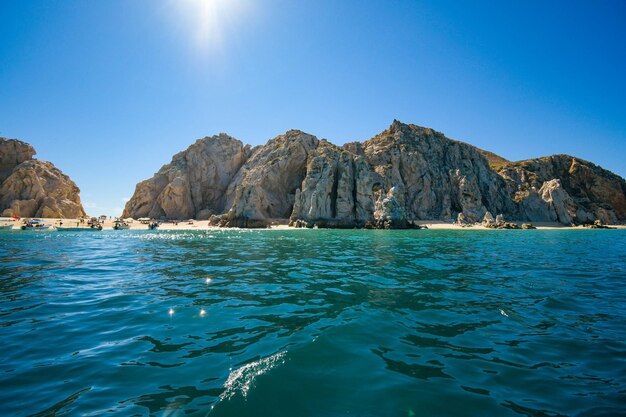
208,22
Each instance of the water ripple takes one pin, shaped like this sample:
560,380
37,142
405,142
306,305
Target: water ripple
313,323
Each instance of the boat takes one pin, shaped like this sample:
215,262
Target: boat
80,229
37,225
7,224
120,225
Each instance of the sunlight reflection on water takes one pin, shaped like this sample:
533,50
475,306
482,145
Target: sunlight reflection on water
282,323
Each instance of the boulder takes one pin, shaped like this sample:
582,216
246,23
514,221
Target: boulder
501,225
488,218
389,213
598,224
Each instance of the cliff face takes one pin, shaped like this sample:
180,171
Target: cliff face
265,187
336,190
34,188
432,177
194,184
565,189
405,173
437,177
12,153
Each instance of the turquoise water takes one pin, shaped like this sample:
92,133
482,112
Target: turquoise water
313,323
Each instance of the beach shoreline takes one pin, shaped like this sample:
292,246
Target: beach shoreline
108,224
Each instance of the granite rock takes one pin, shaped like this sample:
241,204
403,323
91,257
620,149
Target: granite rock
437,177
265,187
12,153
585,192
38,189
403,174
193,184
389,212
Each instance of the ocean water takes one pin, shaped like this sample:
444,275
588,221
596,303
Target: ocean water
313,323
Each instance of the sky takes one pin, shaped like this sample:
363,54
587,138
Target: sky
110,90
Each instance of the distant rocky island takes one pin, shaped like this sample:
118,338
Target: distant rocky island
33,188
405,173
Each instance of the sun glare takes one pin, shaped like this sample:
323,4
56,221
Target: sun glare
208,22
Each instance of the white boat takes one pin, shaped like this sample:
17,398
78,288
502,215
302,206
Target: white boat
121,225
79,229
37,225
6,226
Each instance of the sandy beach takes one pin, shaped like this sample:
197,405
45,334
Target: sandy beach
60,224
431,224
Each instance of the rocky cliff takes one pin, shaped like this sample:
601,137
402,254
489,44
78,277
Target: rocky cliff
405,173
34,188
265,187
437,177
565,189
194,184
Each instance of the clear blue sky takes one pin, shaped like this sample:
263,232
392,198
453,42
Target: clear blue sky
110,90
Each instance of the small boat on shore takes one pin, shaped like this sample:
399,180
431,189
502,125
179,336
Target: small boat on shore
7,224
80,229
121,225
36,225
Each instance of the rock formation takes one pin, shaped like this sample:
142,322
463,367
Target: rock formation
389,212
435,177
265,188
336,190
194,184
565,189
12,153
405,173
34,188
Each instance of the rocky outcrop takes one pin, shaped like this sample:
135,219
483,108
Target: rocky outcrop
565,189
12,153
560,206
265,188
389,212
432,177
336,190
34,188
403,174
435,177
406,169
193,184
